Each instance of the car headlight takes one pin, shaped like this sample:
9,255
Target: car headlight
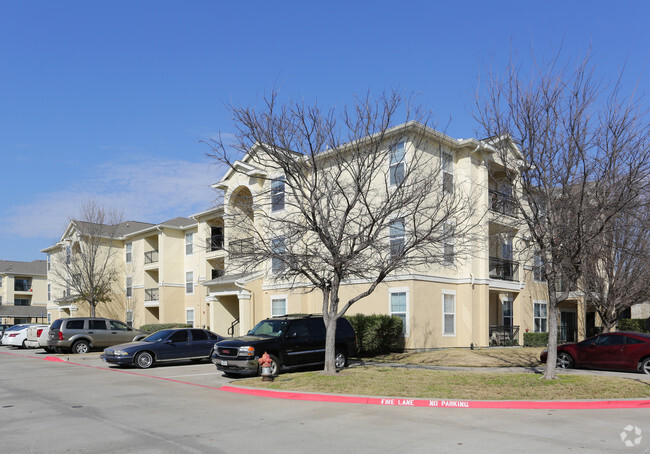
246,351
120,353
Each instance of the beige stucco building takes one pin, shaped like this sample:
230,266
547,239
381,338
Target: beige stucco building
23,291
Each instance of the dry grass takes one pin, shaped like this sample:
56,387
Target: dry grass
429,384
463,357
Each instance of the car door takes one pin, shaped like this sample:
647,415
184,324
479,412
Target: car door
119,332
98,331
298,346
605,352
200,344
176,346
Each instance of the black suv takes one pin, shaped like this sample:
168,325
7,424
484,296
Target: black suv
290,341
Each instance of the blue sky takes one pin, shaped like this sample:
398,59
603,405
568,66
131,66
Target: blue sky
109,100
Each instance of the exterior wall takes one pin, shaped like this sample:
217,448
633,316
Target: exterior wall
36,294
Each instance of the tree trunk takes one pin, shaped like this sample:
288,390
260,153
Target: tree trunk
330,346
552,316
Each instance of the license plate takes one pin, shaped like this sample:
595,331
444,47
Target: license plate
224,363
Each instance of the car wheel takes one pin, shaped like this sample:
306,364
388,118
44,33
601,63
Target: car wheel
81,346
564,361
144,360
645,366
340,360
24,344
48,349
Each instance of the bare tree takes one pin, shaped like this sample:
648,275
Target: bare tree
87,266
615,273
576,155
344,197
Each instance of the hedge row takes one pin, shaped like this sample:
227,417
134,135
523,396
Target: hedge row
535,339
153,327
639,325
377,334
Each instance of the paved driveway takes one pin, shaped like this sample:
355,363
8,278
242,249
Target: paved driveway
88,407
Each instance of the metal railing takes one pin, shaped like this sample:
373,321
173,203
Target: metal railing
231,330
506,270
214,243
151,294
504,335
150,257
502,203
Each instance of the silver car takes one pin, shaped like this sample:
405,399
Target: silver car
82,334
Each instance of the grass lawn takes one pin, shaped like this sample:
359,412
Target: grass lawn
485,357
430,384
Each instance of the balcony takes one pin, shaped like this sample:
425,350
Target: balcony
214,243
151,297
243,246
504,335
505,270
217,273
150,257
502,203
22,285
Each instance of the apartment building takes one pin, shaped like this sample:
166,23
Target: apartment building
23,291
489,298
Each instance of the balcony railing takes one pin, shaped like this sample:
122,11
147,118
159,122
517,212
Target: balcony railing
22,286
151,294
214,243
506,270
150,257
243,246
217,273
502,203
504,335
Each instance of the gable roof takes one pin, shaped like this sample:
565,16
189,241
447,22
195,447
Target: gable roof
34,268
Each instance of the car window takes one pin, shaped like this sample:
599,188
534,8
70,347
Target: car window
74,324
118,325
631,340
199,335
179,336
273,328
299,328
610,339
96,324
317,327
213,336
157,336
57,324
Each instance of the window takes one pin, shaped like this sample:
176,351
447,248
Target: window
189,316
0,300
447,173
448,242
540,316
0,281
399,307
189,243
129,287
97,324
118,326
397,232
189,283
277,194
278,253
48,262
538,268
448,313
180,336
21,302
49,318
199,335
396,171
278,306
68,254
129,252
129,317
506,312
22,284
49,292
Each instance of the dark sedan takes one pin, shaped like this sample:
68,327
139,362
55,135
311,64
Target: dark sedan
615,351
162,346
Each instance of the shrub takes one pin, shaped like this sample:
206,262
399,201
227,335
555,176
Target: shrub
633,324
153,327
377,334
535,339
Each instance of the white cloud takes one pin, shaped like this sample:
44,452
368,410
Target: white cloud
144,188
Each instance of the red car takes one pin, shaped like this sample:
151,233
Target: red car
616,351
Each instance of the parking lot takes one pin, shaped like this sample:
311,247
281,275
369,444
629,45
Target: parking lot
79,404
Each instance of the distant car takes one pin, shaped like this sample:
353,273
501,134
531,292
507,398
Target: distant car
37,337
162,346
3,327
16,337
291,341
614,351
82,334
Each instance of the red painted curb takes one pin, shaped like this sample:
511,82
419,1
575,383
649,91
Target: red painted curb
392,402
444,403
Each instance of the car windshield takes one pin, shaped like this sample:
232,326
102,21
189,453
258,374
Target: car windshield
157,336
271,328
